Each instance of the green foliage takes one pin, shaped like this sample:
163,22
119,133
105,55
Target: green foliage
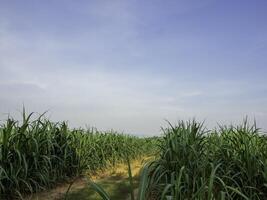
99,190
194,163
35,155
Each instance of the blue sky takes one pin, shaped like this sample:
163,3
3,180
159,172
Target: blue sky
128,65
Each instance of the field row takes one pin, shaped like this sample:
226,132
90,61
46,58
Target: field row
190,161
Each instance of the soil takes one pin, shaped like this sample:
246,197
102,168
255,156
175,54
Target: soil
114,181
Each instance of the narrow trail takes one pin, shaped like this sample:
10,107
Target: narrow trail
114,181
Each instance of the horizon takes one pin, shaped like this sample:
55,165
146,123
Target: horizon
129,65
45,115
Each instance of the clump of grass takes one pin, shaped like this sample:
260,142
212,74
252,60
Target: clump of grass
36,154
195,163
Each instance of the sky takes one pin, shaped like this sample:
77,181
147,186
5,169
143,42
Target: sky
129,65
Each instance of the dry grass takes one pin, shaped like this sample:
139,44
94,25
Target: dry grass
116,174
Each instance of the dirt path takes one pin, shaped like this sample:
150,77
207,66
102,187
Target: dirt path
114,181
59,191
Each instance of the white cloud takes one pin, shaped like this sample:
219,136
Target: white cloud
105,74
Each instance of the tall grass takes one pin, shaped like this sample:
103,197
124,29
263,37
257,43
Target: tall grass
194,163
36,154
